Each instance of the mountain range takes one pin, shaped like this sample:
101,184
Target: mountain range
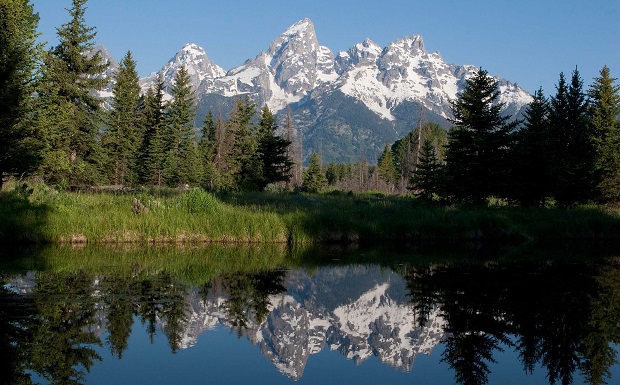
347,106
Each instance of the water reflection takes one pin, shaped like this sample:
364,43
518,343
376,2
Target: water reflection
563,317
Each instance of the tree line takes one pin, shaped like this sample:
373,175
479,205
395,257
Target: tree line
565,150
53,124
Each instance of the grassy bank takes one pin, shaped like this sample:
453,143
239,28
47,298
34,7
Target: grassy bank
195,217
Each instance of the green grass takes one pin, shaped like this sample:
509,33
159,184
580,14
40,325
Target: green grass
197,217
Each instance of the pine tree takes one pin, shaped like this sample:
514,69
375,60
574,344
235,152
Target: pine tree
153,148
604,112
426,179
293,150
386,168
531,172
73,75
477,150
181,165
20,141
272,151
314,178
573,153
122,139
242,159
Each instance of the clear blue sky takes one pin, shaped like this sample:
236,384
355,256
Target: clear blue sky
525,41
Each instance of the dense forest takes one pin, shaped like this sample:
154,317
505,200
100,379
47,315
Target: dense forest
565,150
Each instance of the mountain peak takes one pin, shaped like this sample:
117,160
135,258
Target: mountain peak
412,44
300,28
191,52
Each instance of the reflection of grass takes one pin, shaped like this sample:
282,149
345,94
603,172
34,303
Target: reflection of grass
192,265
197,217
196,265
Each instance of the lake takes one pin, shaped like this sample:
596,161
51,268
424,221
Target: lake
269,315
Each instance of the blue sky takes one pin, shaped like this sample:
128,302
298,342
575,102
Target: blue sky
527,42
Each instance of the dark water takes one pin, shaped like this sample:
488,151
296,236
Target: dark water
194,317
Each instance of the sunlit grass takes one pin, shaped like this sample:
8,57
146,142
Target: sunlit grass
197,217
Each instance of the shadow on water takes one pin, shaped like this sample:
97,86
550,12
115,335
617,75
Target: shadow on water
559,310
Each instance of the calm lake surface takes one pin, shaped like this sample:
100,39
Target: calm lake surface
239,315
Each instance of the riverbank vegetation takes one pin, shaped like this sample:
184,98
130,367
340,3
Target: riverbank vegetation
44,215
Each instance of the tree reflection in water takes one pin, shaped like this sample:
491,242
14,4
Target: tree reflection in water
560,316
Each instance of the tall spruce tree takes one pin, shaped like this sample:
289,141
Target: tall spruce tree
153,148
386,168
74,74
531,173
604,112
272,151
573,152
426,179
122,139
242,159
477,151
182,160
314,179
20,141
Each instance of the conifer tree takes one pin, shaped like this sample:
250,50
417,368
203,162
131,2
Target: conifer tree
604,111
272,151
73,76
293,150
181,163
476,155
208,151
20,141
242,159
386,168
122,139
314,178
573,153
531,172
153,148
426,179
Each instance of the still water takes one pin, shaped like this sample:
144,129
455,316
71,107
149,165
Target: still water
242,315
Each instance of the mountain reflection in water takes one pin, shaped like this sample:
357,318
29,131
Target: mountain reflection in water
558,318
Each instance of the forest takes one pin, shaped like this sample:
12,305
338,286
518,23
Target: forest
563,151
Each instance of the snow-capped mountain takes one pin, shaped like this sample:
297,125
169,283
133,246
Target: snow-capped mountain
201,70
349,105
294,65
371,318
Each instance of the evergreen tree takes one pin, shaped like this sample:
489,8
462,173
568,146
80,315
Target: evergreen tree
531,172
386,168
426,179
242,159
181,162
573,153
314,177
476,154
73,74
604,112
20,142
272,151
406,150
207,153
153,149
122,139
208,141
293,150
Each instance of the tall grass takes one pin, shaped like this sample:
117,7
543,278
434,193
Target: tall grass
198,217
